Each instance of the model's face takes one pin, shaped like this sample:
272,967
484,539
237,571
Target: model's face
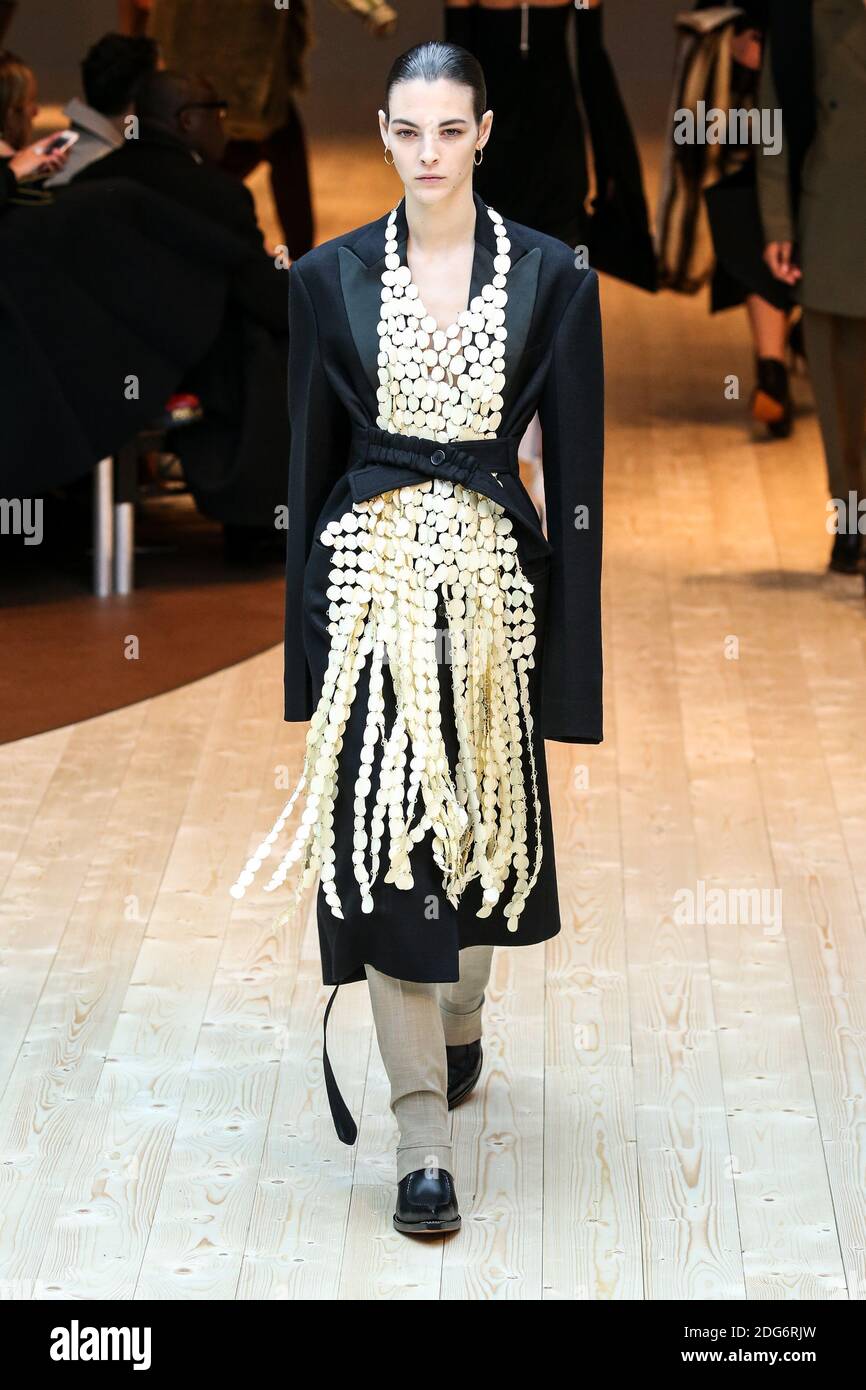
433,135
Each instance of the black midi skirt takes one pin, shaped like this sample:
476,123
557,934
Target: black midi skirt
738,242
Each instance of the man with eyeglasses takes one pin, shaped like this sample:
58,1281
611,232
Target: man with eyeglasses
234,459
255,53
177,152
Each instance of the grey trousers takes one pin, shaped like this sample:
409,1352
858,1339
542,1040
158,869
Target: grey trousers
414,1024
836,352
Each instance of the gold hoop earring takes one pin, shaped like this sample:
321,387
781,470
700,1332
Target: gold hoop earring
388,151
478,150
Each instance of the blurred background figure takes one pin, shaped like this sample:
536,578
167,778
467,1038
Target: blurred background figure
254,54
177,153
559,118
110,73
22,161
540,104
813,208
709,227
7,9
234,458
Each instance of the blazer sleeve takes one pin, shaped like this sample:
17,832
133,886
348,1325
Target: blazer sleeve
319,432
571,413
773,178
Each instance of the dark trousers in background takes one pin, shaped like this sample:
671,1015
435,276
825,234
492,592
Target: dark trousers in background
836,353
286,151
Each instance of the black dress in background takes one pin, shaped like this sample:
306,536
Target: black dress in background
535,167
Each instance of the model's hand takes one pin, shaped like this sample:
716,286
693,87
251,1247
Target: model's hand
34,163
778,255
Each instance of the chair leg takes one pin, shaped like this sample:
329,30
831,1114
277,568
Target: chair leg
126,482
124,549
103,527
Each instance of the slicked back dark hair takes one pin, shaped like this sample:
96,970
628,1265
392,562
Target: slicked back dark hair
433,60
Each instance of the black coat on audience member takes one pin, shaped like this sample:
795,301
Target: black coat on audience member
103,284
164,163
235,460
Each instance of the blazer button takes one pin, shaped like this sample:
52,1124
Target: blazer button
437,456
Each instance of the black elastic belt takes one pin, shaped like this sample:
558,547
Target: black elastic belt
381,460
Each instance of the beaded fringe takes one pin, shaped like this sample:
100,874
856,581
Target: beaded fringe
395,557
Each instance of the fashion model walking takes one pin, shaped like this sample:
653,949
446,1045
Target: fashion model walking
435,636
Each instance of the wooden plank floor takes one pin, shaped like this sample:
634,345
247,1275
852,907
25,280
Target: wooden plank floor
672,1103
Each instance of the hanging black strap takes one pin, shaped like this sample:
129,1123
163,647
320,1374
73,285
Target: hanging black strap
345,1126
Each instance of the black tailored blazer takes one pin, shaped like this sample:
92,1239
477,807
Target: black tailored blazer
553,364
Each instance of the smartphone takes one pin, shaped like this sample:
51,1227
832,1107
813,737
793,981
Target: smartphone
61,141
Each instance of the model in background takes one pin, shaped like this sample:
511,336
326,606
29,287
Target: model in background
709,227
813,208
235,457
535,167
255,54
434,636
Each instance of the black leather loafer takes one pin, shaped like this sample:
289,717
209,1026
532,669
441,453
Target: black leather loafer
426,1205
845,555
464,1069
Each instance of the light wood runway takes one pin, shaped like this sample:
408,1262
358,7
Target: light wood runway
673,1101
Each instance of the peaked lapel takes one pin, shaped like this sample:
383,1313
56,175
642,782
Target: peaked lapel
361,269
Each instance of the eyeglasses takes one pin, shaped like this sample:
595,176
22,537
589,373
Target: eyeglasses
220,106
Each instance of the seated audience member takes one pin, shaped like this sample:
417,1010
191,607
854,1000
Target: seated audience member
101,284
110,74
181,141
21,161
23,167
234,458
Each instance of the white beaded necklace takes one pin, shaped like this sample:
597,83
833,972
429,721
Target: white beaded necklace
441,383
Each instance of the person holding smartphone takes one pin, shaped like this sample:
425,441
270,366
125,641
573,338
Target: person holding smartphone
22,161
